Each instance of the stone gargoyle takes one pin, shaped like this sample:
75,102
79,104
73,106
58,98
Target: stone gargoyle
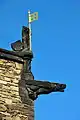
36,88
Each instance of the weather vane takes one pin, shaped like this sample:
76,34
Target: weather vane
31,17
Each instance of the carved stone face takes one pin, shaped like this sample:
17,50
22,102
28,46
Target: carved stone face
60,87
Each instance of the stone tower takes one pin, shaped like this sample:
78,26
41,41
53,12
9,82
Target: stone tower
18,89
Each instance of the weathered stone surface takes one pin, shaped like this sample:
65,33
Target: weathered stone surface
8,101
18,66
6,118
2,108
13,105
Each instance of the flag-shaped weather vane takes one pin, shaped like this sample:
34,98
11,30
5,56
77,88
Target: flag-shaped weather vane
31,17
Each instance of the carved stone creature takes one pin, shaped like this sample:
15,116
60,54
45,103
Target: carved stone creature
36,88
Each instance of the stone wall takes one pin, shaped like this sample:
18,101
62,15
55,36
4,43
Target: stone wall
11,105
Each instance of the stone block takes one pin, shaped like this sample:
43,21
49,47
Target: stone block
18,66
2,108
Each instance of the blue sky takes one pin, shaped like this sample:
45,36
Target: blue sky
56,47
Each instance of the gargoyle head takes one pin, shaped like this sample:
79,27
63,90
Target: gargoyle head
58,87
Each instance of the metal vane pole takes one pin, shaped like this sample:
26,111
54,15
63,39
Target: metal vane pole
29,25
